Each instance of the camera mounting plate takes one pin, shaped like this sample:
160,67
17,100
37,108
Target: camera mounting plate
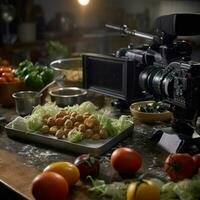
174,142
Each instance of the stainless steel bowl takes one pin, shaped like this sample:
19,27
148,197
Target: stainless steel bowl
25,101
68,96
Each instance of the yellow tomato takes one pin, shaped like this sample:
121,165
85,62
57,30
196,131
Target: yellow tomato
143,190
68,170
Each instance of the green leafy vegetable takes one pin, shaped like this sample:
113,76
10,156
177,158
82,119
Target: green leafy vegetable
74,136
33,122
47,109
86,106
122,123
115,190
187,189
19,123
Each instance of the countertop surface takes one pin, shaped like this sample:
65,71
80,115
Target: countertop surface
21,161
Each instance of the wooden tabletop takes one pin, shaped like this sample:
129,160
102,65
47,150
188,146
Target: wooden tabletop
15,173
19,176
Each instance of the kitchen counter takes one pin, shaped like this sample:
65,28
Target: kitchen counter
21,161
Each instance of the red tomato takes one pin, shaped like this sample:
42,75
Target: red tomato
196,159
126,160
49,186
87,165
179,166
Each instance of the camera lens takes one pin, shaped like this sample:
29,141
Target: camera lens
167,85
145,78
158,81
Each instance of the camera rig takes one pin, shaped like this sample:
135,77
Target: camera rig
162,70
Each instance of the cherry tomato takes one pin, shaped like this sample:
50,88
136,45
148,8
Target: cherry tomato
88,165
2,80
143,190
126,160
179,166
9,76
49,186
68,170
196,159
5,69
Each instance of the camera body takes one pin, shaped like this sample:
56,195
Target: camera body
163,70
177,83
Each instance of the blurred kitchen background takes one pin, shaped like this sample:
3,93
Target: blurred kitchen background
44,30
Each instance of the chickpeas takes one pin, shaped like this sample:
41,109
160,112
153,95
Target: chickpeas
79,118
76,124
45,119
74,114
66,117
103,133
51,121
65,121
53,130
44,129
61,114
82,128
88,133
89,122
86,115
59,122
60,133
68,123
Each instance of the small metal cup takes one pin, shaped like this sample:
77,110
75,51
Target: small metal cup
25,101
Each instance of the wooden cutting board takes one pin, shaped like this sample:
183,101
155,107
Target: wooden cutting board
19,176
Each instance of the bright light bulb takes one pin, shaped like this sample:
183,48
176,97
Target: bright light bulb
84,2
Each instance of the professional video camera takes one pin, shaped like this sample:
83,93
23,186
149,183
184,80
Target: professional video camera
162,70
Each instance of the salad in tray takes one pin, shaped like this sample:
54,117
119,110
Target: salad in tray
73,123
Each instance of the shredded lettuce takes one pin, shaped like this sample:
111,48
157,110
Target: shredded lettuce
33,122
74,136
187,189
47,109
19,123
115,190
86,106
122,123
106,122
167,191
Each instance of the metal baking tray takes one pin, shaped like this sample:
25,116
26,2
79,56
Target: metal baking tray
95,147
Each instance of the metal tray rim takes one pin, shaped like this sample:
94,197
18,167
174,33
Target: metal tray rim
80,147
